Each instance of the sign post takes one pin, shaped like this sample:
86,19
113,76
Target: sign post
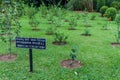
30,43
31,60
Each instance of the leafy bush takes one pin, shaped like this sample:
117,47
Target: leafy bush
50,18
50,31
116,4
57,23
34,23
103,9
43,10
87,31
73,23
60,37
111,13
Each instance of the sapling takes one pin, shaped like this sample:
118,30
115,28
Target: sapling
60,37
31,12
43,10
50,18
73,55
78,16
7,18
72,23
50,31
57,23
34,23
87,31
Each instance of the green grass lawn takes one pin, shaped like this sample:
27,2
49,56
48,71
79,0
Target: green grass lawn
100,59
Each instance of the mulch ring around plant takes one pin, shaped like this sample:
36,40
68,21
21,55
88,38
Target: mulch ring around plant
72,29
35,29
59,43
105,29
8,57
115,44
49,33
71,64
86,34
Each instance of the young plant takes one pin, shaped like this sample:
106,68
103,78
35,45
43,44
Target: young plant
78,16
43,10
60,37
50,18
73,53
34,23
87,31
72,23
57,23
50,31
6,23
31,12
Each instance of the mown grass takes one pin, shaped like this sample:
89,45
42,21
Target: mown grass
100,59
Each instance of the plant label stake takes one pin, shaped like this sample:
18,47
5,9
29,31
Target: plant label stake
31,43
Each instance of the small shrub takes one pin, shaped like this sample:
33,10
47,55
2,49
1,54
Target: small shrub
72,23
50,18
50,31
111,13
103,9
78,16
87,31
57,23
43,10
60,37
34,23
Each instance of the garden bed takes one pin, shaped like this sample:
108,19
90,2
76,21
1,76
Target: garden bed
86,34
59,43
115,44
71,64
8,57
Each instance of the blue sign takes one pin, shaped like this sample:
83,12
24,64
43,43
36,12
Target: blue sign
31,43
